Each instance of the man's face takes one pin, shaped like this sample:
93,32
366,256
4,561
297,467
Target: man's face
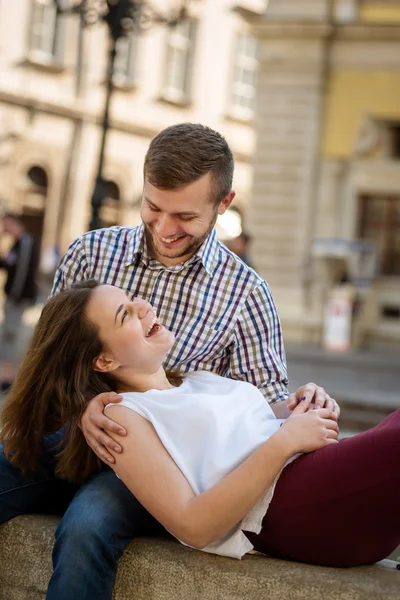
178,221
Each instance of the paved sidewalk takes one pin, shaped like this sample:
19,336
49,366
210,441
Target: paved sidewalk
366,383
368,376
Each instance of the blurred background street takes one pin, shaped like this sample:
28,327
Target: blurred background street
307,94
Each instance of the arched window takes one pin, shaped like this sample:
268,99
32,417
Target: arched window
37,177
34,190
110,212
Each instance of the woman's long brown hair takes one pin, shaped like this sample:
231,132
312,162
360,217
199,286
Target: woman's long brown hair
53,387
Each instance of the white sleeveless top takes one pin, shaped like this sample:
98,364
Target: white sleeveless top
210,425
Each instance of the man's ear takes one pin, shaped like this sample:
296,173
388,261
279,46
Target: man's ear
104,364
226,202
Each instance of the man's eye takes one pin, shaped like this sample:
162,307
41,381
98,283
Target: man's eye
186,218
154,209
125,314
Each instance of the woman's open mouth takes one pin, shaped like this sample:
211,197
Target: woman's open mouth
153,328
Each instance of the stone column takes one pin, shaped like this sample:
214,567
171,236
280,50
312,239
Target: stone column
331,198
290,90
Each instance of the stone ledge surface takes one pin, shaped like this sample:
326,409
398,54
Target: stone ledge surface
160,569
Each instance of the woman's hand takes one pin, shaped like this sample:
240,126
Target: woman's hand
306,431
95,425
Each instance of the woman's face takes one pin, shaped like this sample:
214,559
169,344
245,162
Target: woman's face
129,329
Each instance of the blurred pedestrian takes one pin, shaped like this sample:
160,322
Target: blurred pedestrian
240,246
20,290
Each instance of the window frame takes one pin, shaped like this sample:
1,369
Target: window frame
54,55
389,225
177,42
243,62
127,77
379,1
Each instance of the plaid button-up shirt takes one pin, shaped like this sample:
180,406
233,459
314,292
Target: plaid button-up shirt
221,311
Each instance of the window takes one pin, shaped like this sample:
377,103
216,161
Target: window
46,33
380,223
126,60
244,77
180,55
346,11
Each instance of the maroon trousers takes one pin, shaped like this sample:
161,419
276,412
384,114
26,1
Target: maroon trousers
338,506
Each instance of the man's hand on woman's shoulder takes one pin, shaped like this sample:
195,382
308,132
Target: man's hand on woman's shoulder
95,427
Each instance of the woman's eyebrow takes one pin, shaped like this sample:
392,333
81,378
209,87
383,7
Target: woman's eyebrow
118,311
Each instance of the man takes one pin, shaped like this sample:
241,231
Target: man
20,290
221,312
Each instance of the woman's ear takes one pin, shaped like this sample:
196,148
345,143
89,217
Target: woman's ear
104,364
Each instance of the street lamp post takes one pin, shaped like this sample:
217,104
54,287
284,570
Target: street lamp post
121,16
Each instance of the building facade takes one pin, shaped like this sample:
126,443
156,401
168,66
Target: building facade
326,193
316,135
52,94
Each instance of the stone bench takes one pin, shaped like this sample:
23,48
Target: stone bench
161,569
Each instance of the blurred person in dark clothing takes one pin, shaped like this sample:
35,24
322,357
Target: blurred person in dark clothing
20,290
240,246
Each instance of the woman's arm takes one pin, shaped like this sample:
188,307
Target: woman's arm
154,479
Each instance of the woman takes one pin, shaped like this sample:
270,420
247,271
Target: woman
205,455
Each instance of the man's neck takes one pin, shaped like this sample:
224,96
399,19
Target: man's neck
170,262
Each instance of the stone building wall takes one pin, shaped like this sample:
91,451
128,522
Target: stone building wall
319,81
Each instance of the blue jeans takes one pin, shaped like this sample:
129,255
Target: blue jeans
99,519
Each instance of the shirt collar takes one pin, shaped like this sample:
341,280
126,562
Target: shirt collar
207,252
137,247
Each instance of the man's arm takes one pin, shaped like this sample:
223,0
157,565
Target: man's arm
258,354
259,357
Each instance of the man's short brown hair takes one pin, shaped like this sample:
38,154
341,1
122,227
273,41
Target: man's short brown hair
181,154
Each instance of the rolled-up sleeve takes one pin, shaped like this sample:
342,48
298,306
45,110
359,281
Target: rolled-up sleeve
258,354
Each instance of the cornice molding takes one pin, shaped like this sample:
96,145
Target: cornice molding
75,113
309,31
378,33
264,28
